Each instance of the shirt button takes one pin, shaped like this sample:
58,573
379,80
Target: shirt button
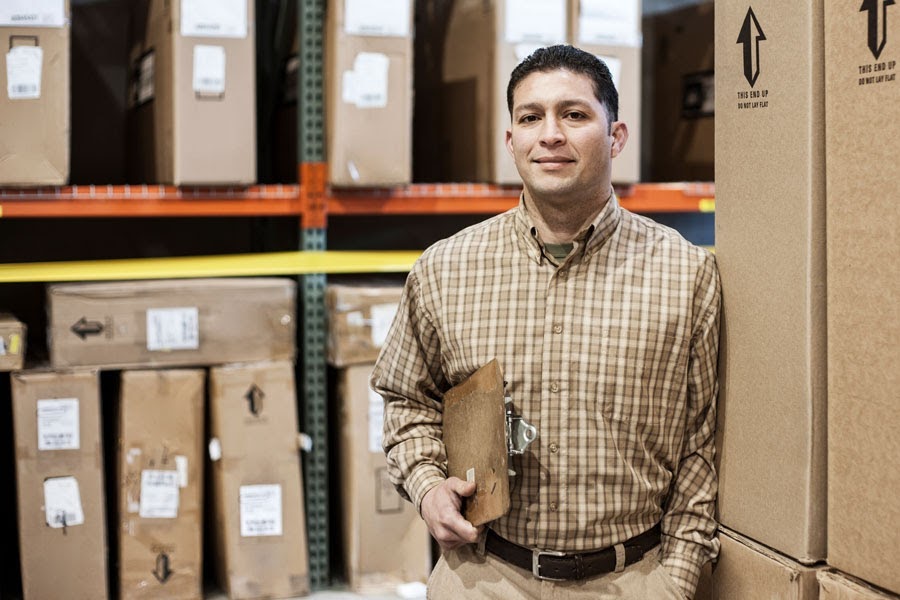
554,387
554,448
557,328
563,274
553,506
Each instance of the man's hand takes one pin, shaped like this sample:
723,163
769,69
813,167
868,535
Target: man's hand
441,511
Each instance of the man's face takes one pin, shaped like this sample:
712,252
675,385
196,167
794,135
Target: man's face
561,139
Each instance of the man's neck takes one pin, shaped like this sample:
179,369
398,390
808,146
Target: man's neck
561,223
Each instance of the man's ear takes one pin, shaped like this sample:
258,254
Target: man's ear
509,142
619,134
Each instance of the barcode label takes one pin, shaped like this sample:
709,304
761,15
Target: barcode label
209,69
62,502
173,329
260,507
159,494
214,18
32,13
58,425
23,72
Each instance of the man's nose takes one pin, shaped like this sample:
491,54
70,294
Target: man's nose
551,133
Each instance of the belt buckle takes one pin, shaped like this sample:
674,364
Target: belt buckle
536,563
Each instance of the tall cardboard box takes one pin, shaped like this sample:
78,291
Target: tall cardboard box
862,50
172,322
193,93
770,248
34,102
160,484
385,542
678,57
12,343
260,524
747,570
837,586
359,317
612,31
484,42
59,473
369,92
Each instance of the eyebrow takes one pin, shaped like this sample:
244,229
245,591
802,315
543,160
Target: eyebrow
565,104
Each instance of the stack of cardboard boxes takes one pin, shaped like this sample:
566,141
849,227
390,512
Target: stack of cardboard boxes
373,516
805,229
245,330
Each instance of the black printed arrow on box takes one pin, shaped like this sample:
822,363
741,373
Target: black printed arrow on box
877,35
162,572
751,35
254,398
84,328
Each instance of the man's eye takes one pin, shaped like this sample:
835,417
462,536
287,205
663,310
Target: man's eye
575,116
528,119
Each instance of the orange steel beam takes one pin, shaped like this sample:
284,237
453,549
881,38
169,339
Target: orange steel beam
313,194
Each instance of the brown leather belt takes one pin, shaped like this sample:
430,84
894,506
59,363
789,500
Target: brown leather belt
559,566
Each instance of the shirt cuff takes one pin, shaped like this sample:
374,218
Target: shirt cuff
421,481
683,561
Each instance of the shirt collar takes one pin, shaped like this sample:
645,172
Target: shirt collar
587,242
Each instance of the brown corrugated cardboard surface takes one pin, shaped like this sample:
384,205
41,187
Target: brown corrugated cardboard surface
236,320
12,342
747,570
358,320
253,416
160,431
69,561
863,139
626,167
366,144
374,517
180,135
34,132
679,61
837,586
770,248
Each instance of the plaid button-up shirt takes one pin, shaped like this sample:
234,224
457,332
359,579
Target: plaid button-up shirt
611,354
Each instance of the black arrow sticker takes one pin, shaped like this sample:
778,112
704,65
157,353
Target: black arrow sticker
751,35
84,328
162,572
877,35
254,398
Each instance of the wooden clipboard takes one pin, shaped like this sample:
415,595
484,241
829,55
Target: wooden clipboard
475,438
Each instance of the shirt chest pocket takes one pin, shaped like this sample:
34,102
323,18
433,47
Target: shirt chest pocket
642,376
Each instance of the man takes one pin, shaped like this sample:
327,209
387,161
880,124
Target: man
606,327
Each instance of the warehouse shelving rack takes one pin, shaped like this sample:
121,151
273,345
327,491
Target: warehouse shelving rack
311,201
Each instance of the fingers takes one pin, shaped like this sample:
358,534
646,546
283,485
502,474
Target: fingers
441,511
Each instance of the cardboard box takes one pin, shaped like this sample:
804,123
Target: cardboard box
770,248
34,102
194,72
260,521
679,84
12,342
861,65
613,33
59,478
369,65
359,317
837,586
160,484
172,322
374,517
748,570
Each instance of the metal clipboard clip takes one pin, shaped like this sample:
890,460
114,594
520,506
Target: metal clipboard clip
519,432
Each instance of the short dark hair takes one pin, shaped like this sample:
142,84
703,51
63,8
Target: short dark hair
571,59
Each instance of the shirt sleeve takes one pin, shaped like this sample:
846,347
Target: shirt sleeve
408,375
688,524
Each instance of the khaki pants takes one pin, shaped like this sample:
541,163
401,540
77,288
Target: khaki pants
462,573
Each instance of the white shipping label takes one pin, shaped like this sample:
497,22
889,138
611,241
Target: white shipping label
58,426
173,329
382,317
32,13
615,68
214,18
181,467
62,502
536,21
376,421
366,85
209,69
613,22
381,18
159,494
260,510
143,82
23,72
